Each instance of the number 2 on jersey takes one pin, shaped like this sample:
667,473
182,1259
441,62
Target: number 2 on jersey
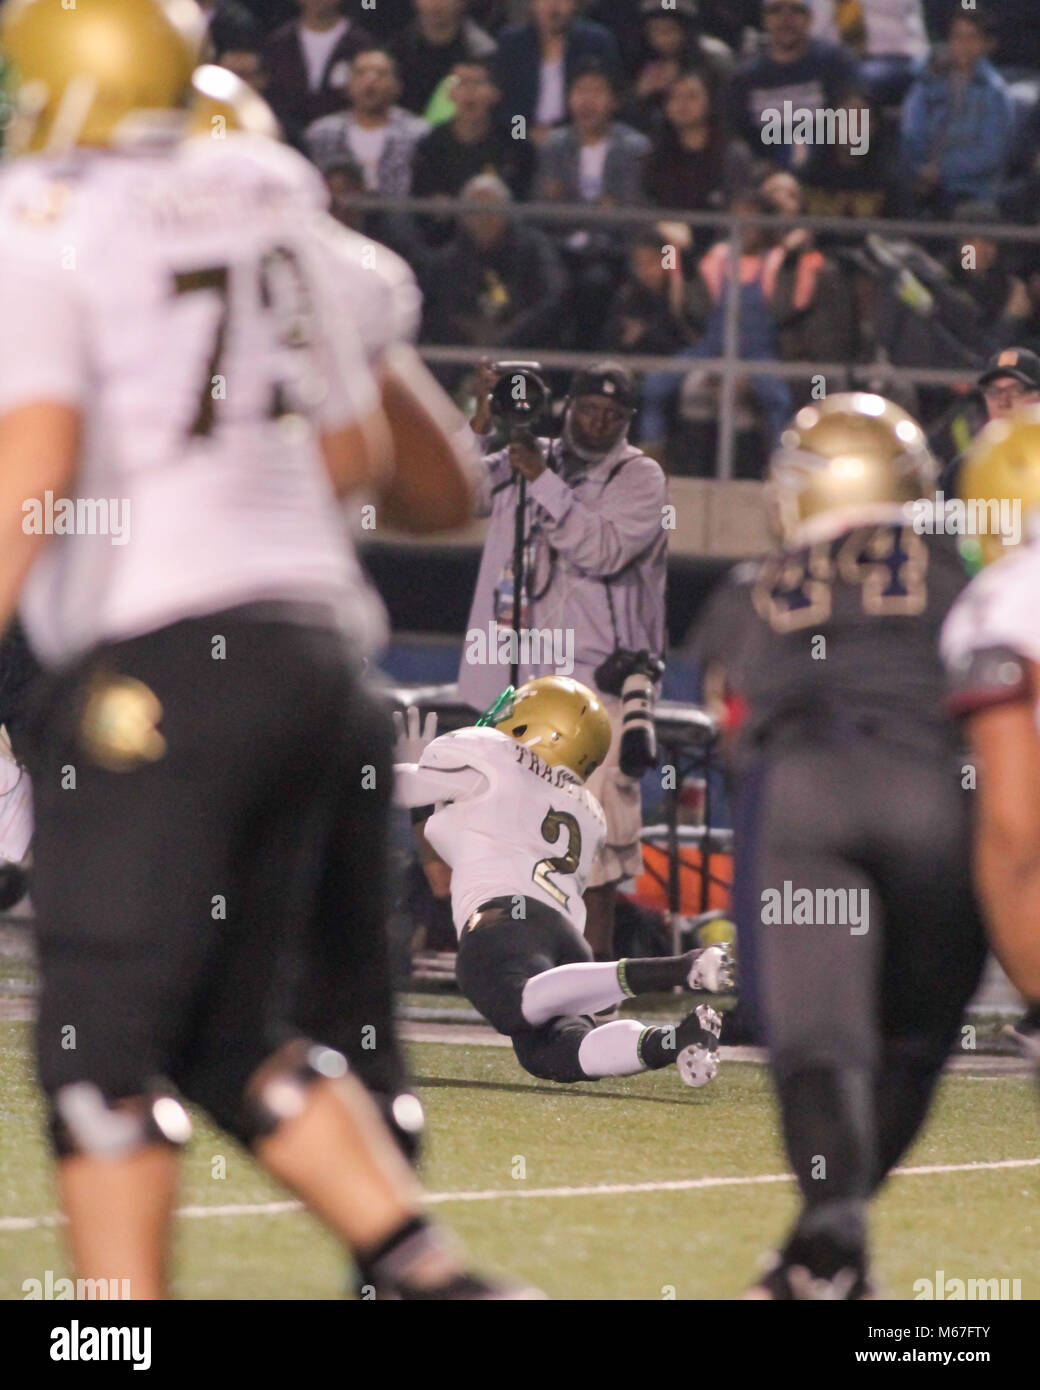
282,288
566,863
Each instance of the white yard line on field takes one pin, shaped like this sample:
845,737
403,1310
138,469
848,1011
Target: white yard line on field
493,1194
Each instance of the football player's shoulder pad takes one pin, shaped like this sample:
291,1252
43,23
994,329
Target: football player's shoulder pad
39,200
992,634
466,748
248,157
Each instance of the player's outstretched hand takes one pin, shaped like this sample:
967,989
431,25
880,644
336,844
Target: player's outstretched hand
412,736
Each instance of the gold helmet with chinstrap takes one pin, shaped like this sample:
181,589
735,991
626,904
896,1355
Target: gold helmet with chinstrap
563,721
220,102
78,74
852,454
1001,475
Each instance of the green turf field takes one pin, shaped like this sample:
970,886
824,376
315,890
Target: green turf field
498,1132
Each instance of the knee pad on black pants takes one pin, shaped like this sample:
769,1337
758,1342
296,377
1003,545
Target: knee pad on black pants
85,1122
253,1106
551,1052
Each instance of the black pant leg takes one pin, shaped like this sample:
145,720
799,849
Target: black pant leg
344,993
934,947
817,980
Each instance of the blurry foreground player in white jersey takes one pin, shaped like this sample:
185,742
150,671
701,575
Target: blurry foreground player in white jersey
503,804
991,644
182,398
340,977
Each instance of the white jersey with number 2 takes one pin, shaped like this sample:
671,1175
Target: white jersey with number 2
507,823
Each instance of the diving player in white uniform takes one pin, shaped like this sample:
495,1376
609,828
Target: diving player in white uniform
506,809
991,645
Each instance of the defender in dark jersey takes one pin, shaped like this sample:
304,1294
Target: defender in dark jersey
861,943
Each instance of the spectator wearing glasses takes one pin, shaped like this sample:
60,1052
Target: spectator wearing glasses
1011,380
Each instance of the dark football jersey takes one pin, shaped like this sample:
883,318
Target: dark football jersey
839,635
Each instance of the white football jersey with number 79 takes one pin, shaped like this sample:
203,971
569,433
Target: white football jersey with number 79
187,302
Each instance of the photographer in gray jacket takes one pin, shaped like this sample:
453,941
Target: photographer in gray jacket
592,598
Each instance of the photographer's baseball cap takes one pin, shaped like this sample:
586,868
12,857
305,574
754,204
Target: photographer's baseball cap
1019,363
606,379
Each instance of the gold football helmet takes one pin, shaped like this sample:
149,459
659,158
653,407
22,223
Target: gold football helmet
78,74
220,102
854,452
563,721
1003,466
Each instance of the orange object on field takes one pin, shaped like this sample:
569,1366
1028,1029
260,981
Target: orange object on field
653,893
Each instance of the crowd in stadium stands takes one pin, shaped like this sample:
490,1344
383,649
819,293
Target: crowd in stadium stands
669,104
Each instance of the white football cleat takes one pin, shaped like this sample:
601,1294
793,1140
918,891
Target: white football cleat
712,969
698,1063
709,1019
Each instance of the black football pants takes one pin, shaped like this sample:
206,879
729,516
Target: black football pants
858,1022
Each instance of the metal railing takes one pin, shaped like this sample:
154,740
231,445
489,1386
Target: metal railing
730,366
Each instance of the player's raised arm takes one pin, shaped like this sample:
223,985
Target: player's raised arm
354,433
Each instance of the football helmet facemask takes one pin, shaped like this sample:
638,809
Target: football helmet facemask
220,102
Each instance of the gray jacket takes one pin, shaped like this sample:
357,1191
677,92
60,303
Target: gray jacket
597,546
329,139
559,163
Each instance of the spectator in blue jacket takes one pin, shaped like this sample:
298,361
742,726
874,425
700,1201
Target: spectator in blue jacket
536,62
957,124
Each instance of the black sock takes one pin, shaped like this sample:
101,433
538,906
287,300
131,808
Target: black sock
659,1047
387,1265
650,976
828,1238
